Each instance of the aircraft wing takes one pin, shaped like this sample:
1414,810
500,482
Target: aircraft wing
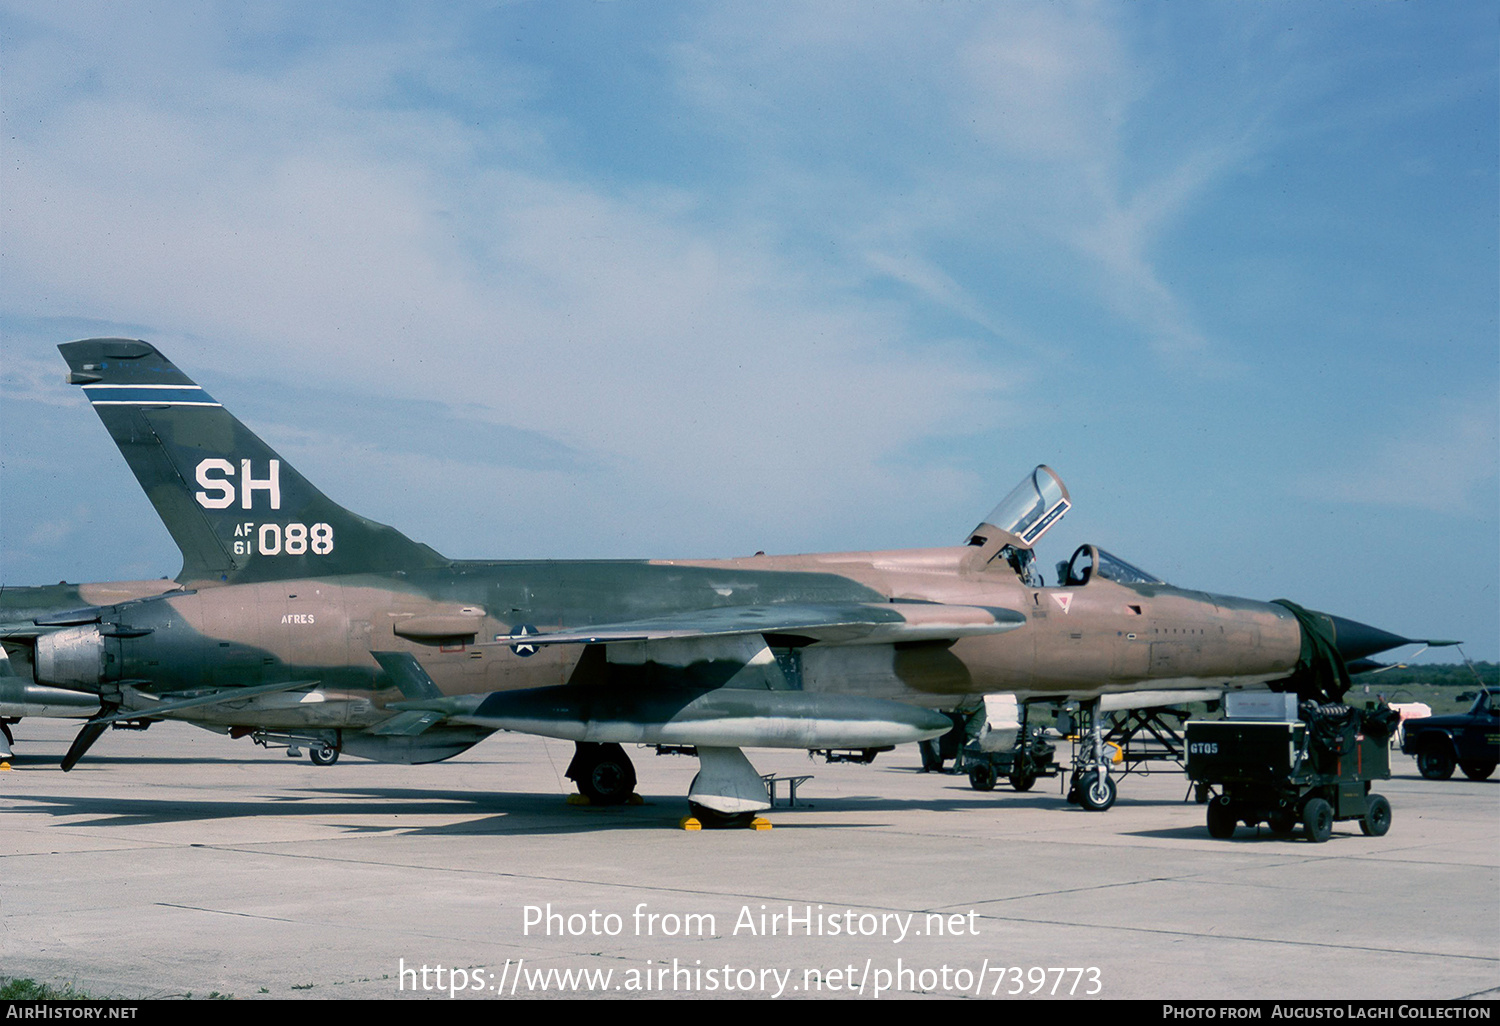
869,623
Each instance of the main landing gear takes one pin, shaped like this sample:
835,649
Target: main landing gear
603,772
727,792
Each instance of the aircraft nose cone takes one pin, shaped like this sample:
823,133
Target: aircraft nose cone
1356,640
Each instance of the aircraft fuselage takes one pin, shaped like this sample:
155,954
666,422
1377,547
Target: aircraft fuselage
1077,641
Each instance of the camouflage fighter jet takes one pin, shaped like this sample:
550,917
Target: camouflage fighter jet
301,621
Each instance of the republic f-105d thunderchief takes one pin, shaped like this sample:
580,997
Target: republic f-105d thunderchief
296,620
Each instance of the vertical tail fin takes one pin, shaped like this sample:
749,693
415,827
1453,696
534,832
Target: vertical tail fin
235,508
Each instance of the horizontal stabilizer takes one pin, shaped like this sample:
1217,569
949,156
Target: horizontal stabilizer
91,732
855,623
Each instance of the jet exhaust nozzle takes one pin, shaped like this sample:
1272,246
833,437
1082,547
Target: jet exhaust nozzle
71,658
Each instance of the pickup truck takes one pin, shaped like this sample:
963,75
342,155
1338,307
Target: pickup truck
1470,741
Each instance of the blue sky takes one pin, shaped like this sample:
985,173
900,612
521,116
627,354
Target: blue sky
627,279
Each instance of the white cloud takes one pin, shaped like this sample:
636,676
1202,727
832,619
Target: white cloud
295,225
1048,83
1017,127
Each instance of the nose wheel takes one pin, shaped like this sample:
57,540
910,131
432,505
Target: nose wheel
1093,788
1096,790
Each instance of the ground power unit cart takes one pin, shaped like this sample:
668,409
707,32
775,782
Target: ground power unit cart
1313,770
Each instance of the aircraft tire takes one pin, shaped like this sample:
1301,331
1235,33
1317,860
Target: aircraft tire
1434,761
10,738
1096,795
323,755
1023,781
1222,818
982,776
1472,770
715,820
609,776
1317,817
1377,816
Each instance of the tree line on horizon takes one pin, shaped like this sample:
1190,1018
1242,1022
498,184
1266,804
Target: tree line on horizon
1455,675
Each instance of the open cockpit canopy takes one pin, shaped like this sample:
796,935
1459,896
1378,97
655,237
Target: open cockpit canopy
1032,506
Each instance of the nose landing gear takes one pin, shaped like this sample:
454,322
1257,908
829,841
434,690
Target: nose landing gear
1092,787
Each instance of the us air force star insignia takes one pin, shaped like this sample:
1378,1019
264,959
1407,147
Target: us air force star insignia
1065,600
521,632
